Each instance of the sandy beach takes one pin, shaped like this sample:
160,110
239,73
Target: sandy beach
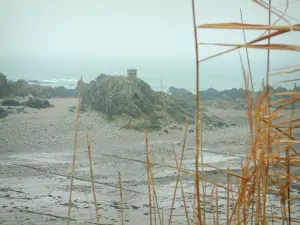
36,150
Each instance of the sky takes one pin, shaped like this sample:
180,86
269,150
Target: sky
37,36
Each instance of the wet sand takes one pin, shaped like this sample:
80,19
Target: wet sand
36,151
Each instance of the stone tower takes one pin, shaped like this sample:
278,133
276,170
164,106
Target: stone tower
132,73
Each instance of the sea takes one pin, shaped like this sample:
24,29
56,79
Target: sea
159,73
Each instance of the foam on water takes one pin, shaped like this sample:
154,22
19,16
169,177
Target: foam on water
66,82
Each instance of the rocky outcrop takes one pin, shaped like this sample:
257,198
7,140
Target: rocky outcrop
212,94
2,113
62,92
38,103
5,89
10,102
134,101
227,99
232,98
22,88
43,92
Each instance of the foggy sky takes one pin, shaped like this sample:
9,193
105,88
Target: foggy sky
137,28
143,29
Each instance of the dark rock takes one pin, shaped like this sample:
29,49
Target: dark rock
191,130
173,127
61,91
166,131
11,102
9,111
134,101
72,109
83,109
23,88
2,113
20,110
38,103
135,207
5,89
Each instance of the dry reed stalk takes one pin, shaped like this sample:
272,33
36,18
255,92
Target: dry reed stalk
148,175
204,178
286,67
156,201
203,175
285,72
247,54
188,171
121,199
271,9
260,46
217,207
244,26
92,179
184,204
242,189
197,183
265,133
228,184
288,172
249,105
74,154
178,171
155,197
255,176
274,34
154,193
269,147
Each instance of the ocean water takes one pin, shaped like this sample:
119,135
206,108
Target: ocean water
160,74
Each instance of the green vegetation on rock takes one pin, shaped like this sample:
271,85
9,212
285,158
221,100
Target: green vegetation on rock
135,105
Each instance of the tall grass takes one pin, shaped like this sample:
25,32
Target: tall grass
268,139
266,171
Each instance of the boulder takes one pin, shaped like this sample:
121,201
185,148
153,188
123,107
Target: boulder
20,110
38,103
134,101
61,91
5,89
191,130
72,109
23,88
11,102
10,111
174,127
2,113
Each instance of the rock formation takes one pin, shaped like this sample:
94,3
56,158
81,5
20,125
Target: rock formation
136,103
22,88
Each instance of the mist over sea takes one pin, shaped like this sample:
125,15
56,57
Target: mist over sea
160,74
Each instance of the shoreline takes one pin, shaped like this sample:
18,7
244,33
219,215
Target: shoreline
36,157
